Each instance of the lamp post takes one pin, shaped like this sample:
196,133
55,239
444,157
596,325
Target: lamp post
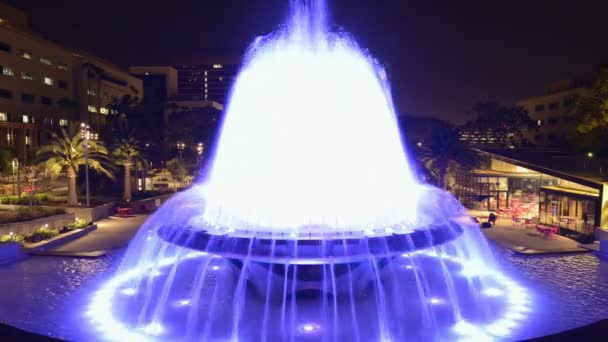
15,164
85,133
180,148
199,150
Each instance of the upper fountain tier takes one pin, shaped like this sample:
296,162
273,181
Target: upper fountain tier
309,138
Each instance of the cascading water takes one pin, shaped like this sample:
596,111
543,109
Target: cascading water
309,225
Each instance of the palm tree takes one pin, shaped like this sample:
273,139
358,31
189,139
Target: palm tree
50,171
68,152
444,152
127,151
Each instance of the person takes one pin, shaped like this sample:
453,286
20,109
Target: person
492,219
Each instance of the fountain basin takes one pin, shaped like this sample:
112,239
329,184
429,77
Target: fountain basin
308,249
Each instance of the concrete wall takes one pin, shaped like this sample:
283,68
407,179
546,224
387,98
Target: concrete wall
94,214
28,227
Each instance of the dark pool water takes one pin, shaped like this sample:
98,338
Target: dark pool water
47,294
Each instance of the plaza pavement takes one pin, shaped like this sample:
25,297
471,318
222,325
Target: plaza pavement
528,240
111,233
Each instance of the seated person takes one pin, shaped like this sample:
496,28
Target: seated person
492,219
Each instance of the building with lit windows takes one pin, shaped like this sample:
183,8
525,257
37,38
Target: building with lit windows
45,86
206,78
98,84
553,112
477,137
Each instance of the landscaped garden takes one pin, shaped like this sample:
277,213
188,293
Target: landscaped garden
42,233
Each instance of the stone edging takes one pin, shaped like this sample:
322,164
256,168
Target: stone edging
58,240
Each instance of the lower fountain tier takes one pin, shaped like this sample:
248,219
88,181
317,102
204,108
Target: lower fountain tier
308,251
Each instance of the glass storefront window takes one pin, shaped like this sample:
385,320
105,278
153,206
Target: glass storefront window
574,214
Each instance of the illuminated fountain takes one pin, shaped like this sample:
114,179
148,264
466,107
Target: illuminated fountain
309,225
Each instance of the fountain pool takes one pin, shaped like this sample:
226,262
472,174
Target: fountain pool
309,224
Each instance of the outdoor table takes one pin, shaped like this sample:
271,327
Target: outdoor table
547,232
123,212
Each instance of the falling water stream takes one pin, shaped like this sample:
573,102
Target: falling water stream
309,225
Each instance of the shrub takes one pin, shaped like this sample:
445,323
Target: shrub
26,200
29,213
12,238
77,224
42,233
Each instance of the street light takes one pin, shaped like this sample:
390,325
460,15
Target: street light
85,133
15,164
180,147
199,150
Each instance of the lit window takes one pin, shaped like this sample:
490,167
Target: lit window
6,71
205,73
539,122
217,66
103,110
47,81
63,122
26,119
27,140
92,109
205,79
46,61
26,54
221,79
62,66
91,92
3,116
26,76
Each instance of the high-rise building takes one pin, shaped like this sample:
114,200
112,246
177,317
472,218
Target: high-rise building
160,86
206,78
45,86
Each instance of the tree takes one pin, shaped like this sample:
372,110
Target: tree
127,151
592,106
178,171
442,152
6,159
68,152
511,122
50,170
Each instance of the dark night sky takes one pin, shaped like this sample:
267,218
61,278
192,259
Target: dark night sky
442,56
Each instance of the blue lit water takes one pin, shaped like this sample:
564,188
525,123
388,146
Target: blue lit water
47,294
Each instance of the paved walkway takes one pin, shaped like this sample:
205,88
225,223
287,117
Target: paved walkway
529,241
112,232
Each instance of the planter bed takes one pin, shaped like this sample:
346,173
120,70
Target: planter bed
58,240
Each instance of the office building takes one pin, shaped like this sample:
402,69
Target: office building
45,86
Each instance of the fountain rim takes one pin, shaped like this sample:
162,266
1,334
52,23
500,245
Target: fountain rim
307,248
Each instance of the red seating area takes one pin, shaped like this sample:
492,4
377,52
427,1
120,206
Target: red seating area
124,212
547,232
